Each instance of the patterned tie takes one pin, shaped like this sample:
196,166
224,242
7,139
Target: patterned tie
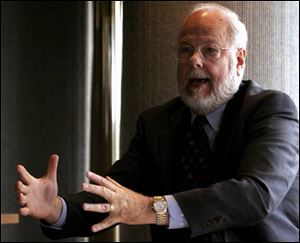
196,154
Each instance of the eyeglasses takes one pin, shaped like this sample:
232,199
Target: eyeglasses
208,52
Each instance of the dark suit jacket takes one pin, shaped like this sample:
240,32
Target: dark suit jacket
253,192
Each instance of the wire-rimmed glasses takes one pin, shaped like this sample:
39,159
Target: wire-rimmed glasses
208,51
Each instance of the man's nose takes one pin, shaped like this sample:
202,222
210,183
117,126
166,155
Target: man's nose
196,60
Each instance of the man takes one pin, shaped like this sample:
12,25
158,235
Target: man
231,177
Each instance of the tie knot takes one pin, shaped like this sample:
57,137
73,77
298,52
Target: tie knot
199,121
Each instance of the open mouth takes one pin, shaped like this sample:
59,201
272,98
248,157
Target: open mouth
198,80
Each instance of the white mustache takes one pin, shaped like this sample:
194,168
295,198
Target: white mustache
197,74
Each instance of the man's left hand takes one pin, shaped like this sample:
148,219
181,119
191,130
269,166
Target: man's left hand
123,205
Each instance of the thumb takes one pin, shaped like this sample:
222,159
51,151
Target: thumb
52,167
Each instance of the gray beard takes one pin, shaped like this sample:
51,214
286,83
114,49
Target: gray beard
220,94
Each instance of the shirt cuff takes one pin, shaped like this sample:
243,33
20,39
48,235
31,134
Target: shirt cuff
177,218
62,218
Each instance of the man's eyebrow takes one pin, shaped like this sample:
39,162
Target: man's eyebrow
187,42
195,30
184,42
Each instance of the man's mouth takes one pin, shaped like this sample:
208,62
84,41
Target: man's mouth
198,80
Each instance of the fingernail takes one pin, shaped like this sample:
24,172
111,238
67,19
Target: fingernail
86,206
95,228
85,186
89,174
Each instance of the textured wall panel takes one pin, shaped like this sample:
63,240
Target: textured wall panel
149,70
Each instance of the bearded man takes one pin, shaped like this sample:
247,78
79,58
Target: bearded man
218,163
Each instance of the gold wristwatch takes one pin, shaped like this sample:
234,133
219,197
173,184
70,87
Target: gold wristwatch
160,207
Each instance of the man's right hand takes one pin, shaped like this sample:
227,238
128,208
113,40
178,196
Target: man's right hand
38,197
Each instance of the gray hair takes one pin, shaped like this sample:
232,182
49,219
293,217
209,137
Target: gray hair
238,30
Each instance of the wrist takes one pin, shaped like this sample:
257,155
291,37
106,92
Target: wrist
151,216
55,212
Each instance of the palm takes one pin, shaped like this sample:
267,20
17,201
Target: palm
39,196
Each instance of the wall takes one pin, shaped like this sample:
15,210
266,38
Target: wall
149,65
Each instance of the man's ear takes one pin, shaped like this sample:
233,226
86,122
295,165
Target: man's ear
241,61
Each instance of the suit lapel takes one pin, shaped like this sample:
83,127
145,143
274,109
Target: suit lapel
171,142
229,135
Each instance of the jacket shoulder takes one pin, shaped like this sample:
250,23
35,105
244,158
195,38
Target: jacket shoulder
256,97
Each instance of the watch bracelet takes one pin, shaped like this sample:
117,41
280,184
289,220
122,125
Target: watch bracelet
161,218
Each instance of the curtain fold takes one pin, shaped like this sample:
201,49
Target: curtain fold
44,100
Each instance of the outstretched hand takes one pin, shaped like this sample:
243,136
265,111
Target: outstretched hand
38,197
124,205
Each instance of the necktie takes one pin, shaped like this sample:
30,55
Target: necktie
196,154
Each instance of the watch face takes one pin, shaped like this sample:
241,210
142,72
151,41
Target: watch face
159,206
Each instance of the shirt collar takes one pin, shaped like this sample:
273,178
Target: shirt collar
214,118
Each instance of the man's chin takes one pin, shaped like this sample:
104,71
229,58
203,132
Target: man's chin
198,104
208,99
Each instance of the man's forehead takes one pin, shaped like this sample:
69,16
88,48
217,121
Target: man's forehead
206,17
204,23
196,31
203,35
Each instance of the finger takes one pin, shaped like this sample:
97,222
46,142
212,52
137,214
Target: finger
99,190
101,181
24,211
113,181
21,199
24,175
20,187
52,167
100,208
105,223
